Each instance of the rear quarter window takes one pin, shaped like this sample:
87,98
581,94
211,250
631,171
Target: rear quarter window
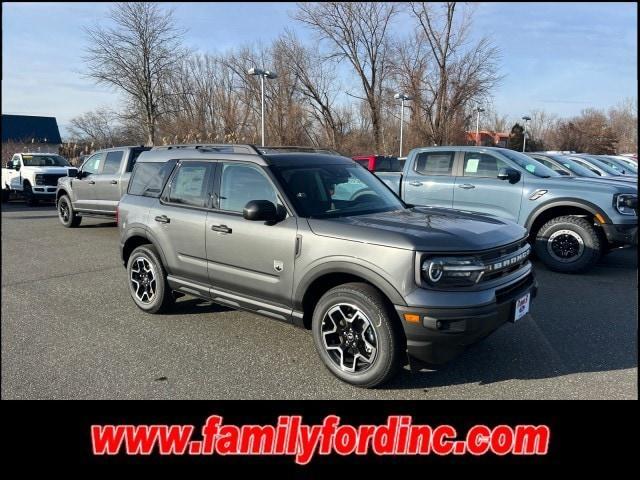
148,178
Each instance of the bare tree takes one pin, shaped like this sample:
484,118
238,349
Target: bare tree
358,33
98,126
316,82
136,56
623,119
541,128
458,72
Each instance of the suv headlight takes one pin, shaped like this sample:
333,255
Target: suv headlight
449,271
39,179
626,203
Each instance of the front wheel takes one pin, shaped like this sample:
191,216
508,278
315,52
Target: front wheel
568,244
356,336
6,195
29,196
67,216
148,280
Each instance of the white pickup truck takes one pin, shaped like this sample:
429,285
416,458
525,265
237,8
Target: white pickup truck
34,176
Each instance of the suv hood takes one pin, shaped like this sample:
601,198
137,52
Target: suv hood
608,180
611,184
423,229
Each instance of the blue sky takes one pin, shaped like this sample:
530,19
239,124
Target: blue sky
561,57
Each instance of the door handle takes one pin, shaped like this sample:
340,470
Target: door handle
221,228
162,219
415,183
91,182
467,186
114,182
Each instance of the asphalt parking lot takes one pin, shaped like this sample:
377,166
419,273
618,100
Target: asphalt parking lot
71,331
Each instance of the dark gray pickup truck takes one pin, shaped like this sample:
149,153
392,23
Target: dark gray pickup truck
572,221
98,185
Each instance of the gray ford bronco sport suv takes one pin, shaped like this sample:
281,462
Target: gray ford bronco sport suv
318,241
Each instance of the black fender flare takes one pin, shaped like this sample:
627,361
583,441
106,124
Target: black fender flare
565,202
141,231
338,266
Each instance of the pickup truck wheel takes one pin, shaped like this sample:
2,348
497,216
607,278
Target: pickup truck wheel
148,280
568,244
355,335
29,197
67,216
6,195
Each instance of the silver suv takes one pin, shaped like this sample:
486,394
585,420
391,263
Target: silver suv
318,241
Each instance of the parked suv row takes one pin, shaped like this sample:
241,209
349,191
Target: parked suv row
318,241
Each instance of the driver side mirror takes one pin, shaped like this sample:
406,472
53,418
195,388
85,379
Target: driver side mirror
510,174
262,210
72,172
16,167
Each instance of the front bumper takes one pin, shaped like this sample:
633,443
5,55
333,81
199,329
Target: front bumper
443,333
621,234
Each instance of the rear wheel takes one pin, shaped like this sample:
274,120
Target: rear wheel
568,244
148,280
6,194
67,216
356,336
29,197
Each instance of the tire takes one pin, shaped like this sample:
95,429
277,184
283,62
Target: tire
568,244
66,215
145,260
29,197
6,195
370,319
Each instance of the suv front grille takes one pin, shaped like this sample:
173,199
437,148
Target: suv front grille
503,261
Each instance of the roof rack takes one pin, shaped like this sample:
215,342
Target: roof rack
285,149
218,147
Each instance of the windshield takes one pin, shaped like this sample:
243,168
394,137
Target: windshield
618,164
628,163
335,191
529,164
601,165
576,168
44,161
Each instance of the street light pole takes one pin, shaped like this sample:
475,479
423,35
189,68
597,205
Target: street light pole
262,106
478,110
526,118
262,74
402,98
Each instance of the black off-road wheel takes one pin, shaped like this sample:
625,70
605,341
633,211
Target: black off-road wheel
357,335
67,216
568,244
148,280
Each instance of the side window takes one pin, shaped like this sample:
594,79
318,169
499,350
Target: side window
91,165
435,163
133,157
190,184
239,184
482,165
112,162
148,178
